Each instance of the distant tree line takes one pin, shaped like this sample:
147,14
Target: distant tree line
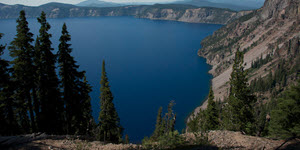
260,61
34,99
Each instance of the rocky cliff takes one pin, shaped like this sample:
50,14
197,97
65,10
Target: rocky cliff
269,38
175,12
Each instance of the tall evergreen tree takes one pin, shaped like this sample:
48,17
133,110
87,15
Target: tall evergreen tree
109,122
8,122
239,110
211,113
51,115
87,121
70,82
158,127
23,72
37,81
170,118
285,118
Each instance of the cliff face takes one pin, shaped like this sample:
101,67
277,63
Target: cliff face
272,31
184,13
194,15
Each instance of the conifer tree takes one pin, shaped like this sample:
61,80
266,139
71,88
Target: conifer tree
285,118
70,82
21,51
8,122
109,122
51,115
37,76
158,127
238,114
170,118
211,113
87,120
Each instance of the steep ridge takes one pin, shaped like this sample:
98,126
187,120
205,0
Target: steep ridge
268,36
184,13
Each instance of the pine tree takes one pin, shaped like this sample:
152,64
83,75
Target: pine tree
8,122
87,120
23,72
70,82
285,118
37,76
158,127
109,122
51,115
170,118
211,113
239,110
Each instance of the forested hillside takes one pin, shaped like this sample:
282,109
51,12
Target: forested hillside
269,38
256,66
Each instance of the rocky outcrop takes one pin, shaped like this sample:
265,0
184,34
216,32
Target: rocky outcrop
236,140
263,32
183,13
218,139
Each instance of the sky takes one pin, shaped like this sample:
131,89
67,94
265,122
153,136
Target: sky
40,2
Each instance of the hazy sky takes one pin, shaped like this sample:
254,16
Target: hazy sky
40,2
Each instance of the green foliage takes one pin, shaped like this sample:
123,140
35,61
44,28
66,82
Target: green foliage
75,89
238,113
193,124
211,113
84,145
51,105
30,99
166,124
164,135
197,122
201,138
21,51
170,118
261,120
86,121
260,61
109,128
269,82
8,121
205,119
285,118
170,140
159,129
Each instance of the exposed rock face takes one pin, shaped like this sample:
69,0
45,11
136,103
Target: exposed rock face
269,30
196,15
184,13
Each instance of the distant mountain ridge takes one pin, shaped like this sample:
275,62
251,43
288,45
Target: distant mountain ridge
207,3
98,3
175,12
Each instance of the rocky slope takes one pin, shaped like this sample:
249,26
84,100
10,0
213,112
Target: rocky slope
218,140
184,13
272,31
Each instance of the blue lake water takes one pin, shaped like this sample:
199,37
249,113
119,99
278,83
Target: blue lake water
149,63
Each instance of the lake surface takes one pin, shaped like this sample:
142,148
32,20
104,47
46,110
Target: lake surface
149,63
